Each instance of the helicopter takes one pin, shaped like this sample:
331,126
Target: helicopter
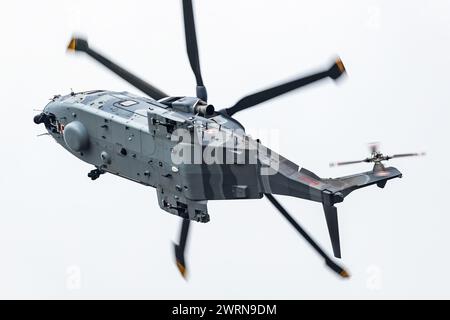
160,141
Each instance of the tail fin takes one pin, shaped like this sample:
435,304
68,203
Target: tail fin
333,228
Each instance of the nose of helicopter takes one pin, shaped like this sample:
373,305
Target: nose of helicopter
48,115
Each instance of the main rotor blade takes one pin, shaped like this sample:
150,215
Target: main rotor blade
181,246
81,45
334,72
328,261
192,48
335,164
402,155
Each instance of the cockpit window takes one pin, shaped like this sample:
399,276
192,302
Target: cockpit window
128,103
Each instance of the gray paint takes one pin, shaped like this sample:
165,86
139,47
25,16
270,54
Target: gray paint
130,136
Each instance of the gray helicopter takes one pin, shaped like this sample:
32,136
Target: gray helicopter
139,138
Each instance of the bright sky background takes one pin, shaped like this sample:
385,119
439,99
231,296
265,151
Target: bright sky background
64,236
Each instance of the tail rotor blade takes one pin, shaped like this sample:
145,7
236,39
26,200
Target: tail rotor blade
81,45
374,147
328,261
334,72
336,164
403,155
192,48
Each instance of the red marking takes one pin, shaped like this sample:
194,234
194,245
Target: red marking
60,128
383,173
309,181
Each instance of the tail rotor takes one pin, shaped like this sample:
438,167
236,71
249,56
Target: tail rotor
377,157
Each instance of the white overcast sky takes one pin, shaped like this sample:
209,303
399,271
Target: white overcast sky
64,236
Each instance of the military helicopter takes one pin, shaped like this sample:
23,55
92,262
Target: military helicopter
136,138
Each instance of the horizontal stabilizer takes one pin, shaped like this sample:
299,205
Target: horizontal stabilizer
345,185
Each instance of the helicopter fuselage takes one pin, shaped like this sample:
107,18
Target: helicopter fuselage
188,157
133,137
